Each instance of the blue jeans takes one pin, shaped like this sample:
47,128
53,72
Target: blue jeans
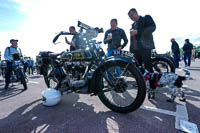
187,56
117,69
176,60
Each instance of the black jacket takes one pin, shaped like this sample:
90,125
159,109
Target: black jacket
144,39
187,48
175,48
117,35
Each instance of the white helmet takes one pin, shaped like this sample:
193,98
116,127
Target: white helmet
51,97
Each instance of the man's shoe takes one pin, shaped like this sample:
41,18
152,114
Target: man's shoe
6,87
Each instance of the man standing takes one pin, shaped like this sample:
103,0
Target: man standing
113,38
13,49
75,43
141,38
30,66
175,52
187,49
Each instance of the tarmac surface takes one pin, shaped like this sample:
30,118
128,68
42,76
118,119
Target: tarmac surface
23,112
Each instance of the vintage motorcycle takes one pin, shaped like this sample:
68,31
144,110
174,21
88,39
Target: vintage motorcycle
87,71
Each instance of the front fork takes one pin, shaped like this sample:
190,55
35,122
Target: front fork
110,78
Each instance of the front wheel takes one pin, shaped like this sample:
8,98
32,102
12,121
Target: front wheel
22,78
123,87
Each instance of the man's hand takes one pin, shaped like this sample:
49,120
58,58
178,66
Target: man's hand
120,48
73,45
133,32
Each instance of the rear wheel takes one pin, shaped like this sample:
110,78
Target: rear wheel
163,65
124,91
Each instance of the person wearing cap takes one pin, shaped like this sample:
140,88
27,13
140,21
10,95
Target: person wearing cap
141,37
13,49
175,52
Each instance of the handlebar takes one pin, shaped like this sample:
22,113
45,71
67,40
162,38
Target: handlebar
61,33
82,26
86,27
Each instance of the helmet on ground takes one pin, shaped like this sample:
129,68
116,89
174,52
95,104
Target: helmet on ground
51,97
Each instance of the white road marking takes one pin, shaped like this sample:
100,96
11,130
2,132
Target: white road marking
32,82
180,114
188,127
186,86
154,109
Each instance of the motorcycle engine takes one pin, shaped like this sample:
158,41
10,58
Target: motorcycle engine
76,68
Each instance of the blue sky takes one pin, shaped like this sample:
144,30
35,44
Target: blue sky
11,16
35,22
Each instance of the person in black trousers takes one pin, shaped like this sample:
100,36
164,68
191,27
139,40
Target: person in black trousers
187,48
142,38
175,52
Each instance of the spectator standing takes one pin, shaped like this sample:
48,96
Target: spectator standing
175,52
187,49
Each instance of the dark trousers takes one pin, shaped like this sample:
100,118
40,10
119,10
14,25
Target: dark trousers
8,72
144,56
187,56
25,68
176,60
30,70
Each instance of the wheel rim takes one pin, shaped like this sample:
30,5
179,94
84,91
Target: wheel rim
161,66
124,93
52,83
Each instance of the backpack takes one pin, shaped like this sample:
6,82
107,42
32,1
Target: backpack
9,50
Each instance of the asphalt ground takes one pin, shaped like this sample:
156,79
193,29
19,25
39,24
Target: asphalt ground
23,112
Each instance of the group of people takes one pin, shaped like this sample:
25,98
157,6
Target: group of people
141,42
187,52
141,38
28,64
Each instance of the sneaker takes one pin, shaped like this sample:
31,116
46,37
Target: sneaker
6,87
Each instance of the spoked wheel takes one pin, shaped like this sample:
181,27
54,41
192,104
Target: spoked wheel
22,78
163,65
46,72
123,87
50,80
53,83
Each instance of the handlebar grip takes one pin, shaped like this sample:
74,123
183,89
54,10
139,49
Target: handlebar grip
56,38
99,30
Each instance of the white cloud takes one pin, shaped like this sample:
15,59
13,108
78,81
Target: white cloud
174,18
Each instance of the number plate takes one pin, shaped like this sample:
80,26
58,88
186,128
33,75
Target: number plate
123,53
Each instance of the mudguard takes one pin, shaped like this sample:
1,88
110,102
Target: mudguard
94,85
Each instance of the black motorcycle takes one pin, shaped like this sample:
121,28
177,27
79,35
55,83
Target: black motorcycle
163,62
87,71
18,74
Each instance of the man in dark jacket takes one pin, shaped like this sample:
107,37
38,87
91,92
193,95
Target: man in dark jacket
187,49
175,52
113,38
141,38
